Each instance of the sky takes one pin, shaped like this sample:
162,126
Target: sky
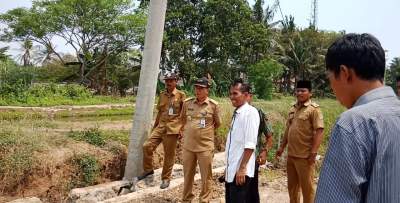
380,18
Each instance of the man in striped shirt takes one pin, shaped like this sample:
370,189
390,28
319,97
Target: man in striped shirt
362,163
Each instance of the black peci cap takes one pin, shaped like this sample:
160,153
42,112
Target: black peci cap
304,84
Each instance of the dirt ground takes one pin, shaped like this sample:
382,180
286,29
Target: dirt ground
271,190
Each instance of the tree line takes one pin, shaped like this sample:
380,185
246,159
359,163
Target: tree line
221,39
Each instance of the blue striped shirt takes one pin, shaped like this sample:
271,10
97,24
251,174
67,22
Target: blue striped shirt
362,163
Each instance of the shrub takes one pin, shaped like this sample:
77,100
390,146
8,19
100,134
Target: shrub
261,76
14,80
88,170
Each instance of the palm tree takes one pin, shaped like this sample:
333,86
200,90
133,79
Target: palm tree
46,54
27,50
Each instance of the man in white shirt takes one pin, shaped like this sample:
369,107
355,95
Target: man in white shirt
240,145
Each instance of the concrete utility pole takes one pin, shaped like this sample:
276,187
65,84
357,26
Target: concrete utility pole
147,88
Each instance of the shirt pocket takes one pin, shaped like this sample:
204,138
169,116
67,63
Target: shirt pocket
177,105
209,116
303,121
190,116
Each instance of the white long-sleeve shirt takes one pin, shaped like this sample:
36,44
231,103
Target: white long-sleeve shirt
242,135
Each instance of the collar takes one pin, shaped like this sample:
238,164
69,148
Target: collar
307,103
172,93
207,101
242,108
375,94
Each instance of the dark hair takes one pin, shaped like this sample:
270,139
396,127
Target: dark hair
244,87
361,52
398,79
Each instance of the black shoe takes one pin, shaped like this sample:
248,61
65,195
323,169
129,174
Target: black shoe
221,179
145,175
164,184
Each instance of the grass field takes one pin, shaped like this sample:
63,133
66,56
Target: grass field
58,101
74,148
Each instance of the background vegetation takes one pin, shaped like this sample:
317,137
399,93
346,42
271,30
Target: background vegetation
63,147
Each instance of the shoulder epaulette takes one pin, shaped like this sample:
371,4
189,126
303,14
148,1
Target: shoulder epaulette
188,99
313,104
213,101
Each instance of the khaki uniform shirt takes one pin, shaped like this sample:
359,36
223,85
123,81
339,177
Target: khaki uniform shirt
169,107
200,122
301,125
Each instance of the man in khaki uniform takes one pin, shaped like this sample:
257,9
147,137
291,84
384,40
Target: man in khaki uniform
201,117
303,135
166,130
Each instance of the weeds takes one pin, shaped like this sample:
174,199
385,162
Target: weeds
88,170
92,136
16,160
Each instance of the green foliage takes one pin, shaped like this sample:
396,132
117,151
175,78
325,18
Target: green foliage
302,52
42,94
95,29
262,76
392,72
92,136
4,57
124,71
258,12
17,88
120,136
88,170
220,38
14,79
216,37
19,115
55,73
98,137
95,113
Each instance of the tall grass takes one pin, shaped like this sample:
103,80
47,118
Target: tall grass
16,155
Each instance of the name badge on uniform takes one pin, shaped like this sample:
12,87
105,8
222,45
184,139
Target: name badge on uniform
202,123
170,111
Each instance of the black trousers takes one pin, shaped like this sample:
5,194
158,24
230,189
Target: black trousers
253,195
237,194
